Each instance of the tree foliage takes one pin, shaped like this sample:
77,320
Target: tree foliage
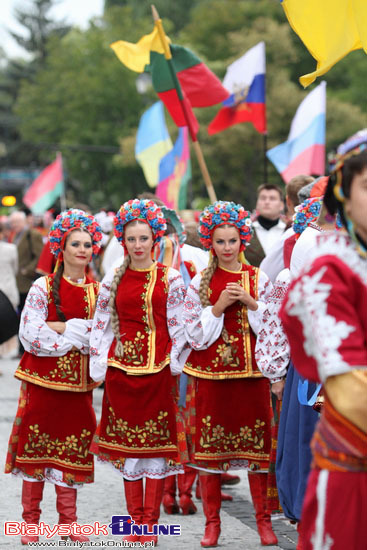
81,94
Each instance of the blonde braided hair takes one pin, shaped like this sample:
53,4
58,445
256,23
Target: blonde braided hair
119,350
204,299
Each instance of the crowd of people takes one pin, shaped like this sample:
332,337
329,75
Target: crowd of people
264,312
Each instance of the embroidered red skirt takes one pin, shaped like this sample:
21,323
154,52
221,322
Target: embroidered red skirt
52,429
139,417
230,421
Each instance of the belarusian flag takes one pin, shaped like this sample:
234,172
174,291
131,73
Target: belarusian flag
46,188
200,87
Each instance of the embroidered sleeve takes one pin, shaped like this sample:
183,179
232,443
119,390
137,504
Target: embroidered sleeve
264,289
323,318
35,335
175,301
272,348
202,328
101,336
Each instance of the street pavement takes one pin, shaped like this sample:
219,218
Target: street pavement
104,498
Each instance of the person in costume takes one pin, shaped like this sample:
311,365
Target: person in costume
136,343
55,421
324,316
222,311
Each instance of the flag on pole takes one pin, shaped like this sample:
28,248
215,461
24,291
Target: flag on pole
175,173
46,188
329,29
245,81
152,142
304,150
200,86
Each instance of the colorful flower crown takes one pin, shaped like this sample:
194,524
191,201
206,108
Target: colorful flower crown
224,213
69,220
140,209
305,213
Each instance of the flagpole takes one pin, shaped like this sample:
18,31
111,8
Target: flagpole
194,139
265,142
63,195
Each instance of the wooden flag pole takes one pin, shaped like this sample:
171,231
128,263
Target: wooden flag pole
195,142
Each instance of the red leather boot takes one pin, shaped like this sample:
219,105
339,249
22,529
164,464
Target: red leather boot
185,483
169,502
66,507
210,492
229,479
258,487
134,504
152,502
299,542
224,496
32,492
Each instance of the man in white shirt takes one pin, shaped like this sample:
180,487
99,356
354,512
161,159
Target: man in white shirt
268,227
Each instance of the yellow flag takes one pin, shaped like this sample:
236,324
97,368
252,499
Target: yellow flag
136,56
330,29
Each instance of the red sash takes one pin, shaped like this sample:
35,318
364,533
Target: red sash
141,305
209,363
68,372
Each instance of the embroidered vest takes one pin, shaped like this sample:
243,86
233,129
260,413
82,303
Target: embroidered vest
69,372
141,305
209,363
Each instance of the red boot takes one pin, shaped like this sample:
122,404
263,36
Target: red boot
32,492
224,496
169,502
185,483
66,507
134,504
210,491
229,479
152,502
299,543
258,487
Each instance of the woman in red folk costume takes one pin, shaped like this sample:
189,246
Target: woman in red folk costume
136,342
223,308
55,421
325,317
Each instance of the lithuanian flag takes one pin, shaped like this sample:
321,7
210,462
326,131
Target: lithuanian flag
200,87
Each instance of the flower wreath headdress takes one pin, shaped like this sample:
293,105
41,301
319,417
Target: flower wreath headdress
140,209
224,213
305,213
68,221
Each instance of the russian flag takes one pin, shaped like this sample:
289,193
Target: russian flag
304,150
245,81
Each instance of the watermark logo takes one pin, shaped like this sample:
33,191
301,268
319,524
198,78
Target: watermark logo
125,525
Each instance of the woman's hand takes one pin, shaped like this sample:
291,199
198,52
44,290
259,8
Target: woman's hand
237,292
277,389
57,326
222,303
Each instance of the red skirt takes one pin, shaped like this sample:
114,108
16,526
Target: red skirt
230,421
52,429
139,418
335,511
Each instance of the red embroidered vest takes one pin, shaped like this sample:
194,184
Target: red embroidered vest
141,305
69,372
209,363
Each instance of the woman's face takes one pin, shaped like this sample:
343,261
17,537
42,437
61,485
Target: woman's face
78,249
356,205
139,244
226,244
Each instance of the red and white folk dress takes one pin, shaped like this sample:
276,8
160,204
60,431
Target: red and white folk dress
55,420
138,431
230,406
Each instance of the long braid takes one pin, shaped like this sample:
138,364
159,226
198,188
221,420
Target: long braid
115,323
55,292
204,299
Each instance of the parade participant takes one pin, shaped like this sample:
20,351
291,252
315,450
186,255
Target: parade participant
136,341
55,421
222,310
324,315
